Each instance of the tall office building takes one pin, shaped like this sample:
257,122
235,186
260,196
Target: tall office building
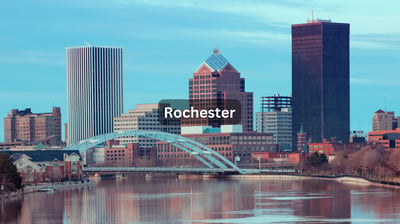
216,81
384,121
276,118
320,80
33,128
94,89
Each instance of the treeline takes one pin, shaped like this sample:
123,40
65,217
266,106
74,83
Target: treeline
371,162
10,178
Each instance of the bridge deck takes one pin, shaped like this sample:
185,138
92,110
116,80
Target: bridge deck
178,170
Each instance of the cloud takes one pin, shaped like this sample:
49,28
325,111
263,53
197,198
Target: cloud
365,18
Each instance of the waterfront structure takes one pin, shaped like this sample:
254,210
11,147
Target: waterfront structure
388,139
276,118
384,121
229,141
129,155
47,165
330,146
22,127
214,82
8,145
321,148
320,80
94,156
144,117
273,159
94,90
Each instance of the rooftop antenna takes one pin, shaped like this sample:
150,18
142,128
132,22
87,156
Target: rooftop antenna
385,101
312,15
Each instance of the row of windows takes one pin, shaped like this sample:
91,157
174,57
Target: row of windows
117,158
229,154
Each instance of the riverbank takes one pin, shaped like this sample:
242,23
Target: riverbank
342,179
55,186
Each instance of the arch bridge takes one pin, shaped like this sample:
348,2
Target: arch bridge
213,160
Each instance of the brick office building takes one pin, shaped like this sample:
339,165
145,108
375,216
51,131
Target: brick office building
33,128
48,165
230,144
386,138
214,82
129,155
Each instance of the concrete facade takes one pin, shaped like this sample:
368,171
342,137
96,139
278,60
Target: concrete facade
144,117
384,121
276,118
94,90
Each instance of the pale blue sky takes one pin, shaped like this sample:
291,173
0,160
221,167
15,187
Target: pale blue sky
165,41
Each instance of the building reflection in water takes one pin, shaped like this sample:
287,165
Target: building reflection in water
136,200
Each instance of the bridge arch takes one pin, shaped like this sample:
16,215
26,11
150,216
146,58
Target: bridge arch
204,154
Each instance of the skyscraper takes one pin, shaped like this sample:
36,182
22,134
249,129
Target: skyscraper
94,89
216,80
320,80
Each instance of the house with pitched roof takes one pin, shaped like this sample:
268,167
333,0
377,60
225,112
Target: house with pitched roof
48,165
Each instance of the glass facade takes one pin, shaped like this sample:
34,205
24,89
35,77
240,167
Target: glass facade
320,80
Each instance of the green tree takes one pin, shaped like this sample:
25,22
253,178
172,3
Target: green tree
9,176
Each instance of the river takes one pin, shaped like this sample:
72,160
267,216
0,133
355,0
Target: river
135,200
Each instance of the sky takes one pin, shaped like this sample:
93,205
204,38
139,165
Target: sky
165,41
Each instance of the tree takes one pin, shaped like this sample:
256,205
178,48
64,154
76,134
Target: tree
10,178
339,163
318,160
323,158
393,161
315,159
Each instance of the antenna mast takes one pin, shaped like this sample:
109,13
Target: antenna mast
385,102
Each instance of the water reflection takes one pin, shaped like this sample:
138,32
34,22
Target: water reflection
211,201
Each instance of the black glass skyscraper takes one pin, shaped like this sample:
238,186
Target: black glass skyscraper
320,80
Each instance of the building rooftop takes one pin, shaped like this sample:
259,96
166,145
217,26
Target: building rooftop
43,155
216,61
380,111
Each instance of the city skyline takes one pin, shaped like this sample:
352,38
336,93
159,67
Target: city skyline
165,40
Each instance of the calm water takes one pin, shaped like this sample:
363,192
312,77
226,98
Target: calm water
208,201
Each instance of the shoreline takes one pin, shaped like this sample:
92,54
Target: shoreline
341,179
55,186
